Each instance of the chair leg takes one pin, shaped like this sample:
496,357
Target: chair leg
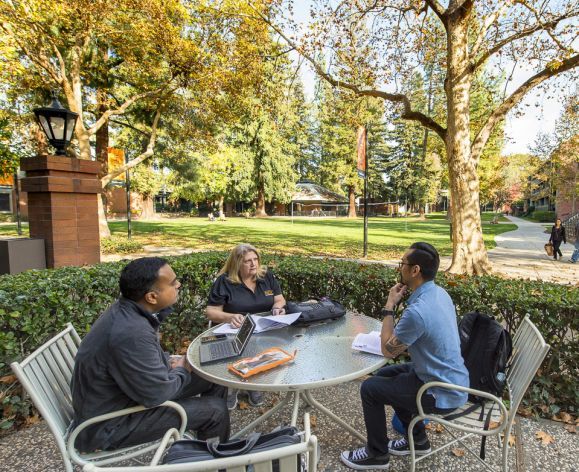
415,420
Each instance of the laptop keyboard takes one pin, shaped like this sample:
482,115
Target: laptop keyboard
222,349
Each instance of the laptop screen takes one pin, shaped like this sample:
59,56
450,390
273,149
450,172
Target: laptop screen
244,332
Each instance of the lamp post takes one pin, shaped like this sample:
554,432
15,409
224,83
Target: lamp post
57,123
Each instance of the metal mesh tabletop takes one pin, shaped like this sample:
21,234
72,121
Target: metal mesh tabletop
324,356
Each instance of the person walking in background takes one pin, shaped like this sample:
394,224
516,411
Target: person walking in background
575,255
557,237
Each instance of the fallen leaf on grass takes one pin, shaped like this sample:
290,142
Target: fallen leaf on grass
545,438
571,428
458,452
243,405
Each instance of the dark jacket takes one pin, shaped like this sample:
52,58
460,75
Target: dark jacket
120,364
558,234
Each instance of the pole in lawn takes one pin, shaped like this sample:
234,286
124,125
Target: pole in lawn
17,195
362,166
128,191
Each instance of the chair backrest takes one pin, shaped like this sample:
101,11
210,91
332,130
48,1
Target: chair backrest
45,375
529,350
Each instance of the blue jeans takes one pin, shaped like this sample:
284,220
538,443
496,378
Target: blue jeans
575,255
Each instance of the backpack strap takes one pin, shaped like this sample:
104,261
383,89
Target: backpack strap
485,428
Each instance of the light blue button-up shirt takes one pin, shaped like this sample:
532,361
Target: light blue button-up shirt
428,327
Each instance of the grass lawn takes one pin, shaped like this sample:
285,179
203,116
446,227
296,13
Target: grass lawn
388,237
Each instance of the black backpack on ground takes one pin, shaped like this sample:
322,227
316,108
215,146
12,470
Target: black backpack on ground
313,312
486,348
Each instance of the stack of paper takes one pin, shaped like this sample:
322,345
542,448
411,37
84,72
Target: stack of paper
262,323
368,342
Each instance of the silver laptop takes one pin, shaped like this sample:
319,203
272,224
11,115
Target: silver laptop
231,347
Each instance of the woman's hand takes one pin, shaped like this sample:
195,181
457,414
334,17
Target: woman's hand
278,311
236,320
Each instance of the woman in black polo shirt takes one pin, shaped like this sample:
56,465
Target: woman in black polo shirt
243,286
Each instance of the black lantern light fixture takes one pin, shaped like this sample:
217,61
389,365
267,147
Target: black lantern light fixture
57,123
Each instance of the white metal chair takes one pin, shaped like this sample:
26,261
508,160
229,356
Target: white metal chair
529,350
260,461
46,375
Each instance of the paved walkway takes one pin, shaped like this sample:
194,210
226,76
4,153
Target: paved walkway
521,254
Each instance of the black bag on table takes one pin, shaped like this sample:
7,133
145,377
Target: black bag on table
312,312
195,450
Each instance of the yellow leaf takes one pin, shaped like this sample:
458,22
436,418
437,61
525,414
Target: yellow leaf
32,420
457,452
439,428
243,405
313,421
545,438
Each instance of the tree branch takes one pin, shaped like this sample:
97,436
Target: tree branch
489,21
407,114
120,110
521,34
501,111
140,158
438,9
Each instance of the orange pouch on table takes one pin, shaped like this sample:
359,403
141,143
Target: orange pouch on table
261,362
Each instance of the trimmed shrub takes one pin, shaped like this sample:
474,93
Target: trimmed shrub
544,216
36,304
120,245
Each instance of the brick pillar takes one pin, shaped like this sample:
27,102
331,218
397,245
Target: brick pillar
63,208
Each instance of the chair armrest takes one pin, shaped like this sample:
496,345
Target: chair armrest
478,393
115,414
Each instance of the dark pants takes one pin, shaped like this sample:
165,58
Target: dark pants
397,386
206,414
556,250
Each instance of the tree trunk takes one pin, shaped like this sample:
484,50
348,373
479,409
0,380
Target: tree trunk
260,203
102,156
469,252
352,203
220,203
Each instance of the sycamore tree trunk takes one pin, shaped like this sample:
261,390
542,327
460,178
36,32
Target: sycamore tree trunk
352,203
469,253
260,203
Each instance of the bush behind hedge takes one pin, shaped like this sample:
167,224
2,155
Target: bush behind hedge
36,304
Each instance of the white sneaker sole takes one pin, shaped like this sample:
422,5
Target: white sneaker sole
421,452
352,465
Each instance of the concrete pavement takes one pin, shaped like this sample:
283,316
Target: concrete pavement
521,254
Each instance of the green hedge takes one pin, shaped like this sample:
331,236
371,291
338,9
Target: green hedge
544,216
36,304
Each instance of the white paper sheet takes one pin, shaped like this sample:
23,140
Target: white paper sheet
368,342
262,323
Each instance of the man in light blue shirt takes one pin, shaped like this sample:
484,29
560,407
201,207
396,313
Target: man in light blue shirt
429,331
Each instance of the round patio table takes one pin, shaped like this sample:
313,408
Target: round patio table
324,357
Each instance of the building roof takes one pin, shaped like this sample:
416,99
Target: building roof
307,191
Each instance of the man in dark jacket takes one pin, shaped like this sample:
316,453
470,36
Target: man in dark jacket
120,364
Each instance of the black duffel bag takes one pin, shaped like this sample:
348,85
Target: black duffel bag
314,311
195,450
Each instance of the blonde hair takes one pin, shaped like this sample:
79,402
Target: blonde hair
233,263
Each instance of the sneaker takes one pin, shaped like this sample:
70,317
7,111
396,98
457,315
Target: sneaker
231,399
255,398
400,447
360,460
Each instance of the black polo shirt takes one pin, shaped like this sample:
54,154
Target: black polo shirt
238,298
